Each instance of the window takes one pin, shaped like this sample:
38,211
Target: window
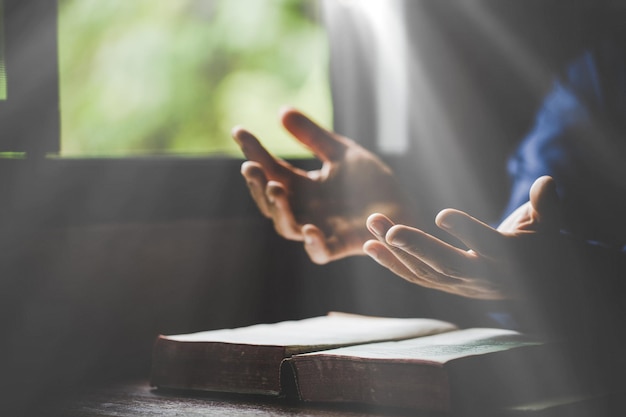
151,77
192,51
3,71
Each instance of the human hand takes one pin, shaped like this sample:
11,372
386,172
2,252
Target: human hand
325,208
525,243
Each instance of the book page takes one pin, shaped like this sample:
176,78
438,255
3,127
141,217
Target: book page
322,332
439,348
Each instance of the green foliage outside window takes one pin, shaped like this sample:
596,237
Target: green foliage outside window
174,76
3,72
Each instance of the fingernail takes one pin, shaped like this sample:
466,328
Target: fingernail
443,219
444,223
396,241
378,228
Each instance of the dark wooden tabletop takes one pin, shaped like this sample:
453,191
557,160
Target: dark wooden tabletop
137,398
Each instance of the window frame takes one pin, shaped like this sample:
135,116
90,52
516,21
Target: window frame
29,118
44,189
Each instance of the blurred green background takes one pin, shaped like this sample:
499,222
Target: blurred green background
3,73
142,77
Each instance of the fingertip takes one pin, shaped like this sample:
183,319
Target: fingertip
545,179
315,244
243,137
542,187
287,111
445,217
254,175
396,235
319,259
250,168
291,117
324,144
378,224
543,182
545,201
374,216
370,248
237,132
381,254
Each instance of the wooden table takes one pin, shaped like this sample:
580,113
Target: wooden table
137,398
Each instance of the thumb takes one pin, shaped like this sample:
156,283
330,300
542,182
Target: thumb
545,203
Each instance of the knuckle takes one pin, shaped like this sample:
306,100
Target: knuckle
454,270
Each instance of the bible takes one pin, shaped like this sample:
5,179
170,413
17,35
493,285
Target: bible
248,359
463,370
418,364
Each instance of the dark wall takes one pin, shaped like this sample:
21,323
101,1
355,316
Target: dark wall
94,266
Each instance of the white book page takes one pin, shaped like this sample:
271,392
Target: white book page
331,330
439,348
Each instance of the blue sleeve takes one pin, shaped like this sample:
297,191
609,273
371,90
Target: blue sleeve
579,138
547,149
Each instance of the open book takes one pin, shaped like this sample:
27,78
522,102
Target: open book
420,364
248,359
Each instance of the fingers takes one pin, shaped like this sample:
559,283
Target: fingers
379,224
272,199
314,244
319,249
256,181
253,150
440,256
281,212
478,236
326,145
381,254
398,258
545,203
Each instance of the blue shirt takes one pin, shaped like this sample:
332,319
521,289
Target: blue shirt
578,138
